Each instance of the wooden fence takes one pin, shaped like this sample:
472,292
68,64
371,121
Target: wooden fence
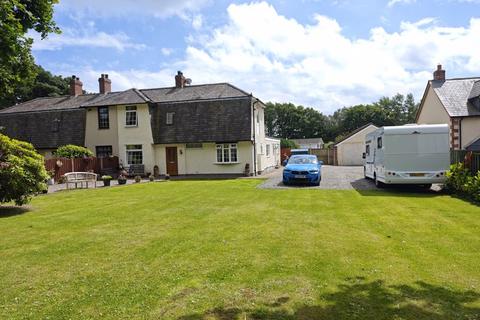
325,155
98,165
470,159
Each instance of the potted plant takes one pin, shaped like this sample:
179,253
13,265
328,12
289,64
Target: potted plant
51,180
106,180
151,178
122,179
138,179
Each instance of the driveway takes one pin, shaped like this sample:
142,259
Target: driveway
333,177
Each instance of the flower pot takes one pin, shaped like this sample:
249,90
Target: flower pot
51,182
122,181
106,183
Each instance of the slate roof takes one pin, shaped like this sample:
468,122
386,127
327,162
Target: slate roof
194,93
131,96
202,121
455,93
52,103
474,146
48,129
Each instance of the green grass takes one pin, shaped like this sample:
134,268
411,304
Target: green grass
227,250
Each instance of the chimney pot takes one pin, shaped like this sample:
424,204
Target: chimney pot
104,84
180,80
439,74
76,86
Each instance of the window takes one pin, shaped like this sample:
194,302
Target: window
131,116
56,125
379,143
367,150
103,119
134,154
104,151
170,117
227,153
194,146
267,150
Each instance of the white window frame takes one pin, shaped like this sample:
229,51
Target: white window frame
228,151
267,150
133,150
169,118
127,112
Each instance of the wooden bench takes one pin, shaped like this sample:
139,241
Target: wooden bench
136,170
80,178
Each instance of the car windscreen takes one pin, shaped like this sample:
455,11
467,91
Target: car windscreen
303,160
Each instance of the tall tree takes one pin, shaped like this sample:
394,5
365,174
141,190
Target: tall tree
17,17
44,84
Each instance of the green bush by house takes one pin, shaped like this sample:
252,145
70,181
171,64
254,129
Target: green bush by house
22,172
461,181
72,151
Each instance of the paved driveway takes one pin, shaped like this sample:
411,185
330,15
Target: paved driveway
340,178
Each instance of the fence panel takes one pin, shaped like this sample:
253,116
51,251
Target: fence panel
469,159
64,165
325,155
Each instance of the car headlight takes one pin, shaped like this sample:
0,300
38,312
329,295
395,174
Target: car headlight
313,171
286,171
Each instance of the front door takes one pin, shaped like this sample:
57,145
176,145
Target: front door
172,161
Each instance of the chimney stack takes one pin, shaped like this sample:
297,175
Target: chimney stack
179,80
76,86
439,74
105,84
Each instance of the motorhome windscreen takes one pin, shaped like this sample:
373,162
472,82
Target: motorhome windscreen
421,143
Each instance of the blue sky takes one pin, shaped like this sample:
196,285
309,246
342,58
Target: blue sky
324,54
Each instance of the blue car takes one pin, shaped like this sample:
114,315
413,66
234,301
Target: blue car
303,169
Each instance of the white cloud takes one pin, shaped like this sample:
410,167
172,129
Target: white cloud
391,3
197,22
74,38
167,51
280,59
125,8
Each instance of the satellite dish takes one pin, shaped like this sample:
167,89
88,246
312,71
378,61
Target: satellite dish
188,81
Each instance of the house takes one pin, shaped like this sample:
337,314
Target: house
311,143
181,130
349,151
455,102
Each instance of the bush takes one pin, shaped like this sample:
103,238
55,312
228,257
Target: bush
461,181
22,171
286,143
107,177
72,151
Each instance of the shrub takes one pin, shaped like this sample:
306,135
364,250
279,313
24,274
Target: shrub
22,171
286,143
72,151
107,177
461,181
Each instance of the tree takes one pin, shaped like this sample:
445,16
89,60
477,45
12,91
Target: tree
44,85
17,17
286,143
72,151
22,171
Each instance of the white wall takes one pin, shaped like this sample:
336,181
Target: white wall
350,151
433,111
470,130
95,137
141,134
203,160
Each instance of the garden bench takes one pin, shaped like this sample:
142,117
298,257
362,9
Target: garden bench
80,178
136,170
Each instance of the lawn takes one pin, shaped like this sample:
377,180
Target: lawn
227,250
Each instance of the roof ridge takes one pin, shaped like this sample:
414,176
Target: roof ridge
190,86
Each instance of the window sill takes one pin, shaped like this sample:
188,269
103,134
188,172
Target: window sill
135,126
225,163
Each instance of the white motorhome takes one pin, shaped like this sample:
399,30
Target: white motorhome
410,154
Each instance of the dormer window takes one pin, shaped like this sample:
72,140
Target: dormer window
131,119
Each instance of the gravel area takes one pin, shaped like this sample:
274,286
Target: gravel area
339,178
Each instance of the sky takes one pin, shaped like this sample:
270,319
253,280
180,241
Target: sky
321,54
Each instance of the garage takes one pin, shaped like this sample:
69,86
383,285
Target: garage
349,151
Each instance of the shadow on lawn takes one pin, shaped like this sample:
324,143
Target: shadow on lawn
360,299
395,190
6,212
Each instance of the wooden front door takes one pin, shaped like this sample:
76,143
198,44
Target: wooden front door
172,161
